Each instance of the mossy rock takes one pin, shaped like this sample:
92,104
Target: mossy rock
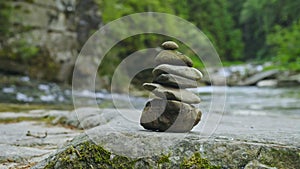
89,155
280,157
131,147
196,161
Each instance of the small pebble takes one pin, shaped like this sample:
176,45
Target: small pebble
169,45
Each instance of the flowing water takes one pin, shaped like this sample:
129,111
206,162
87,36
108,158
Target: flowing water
239,100
253,100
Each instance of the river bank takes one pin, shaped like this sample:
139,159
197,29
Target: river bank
261,75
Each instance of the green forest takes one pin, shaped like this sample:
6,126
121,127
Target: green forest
241,30
255,31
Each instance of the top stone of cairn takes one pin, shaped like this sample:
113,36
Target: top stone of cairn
169,45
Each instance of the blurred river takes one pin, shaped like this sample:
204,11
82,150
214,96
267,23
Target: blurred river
239,100
252,100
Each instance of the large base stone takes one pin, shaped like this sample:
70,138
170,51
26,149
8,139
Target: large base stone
240,141
170,116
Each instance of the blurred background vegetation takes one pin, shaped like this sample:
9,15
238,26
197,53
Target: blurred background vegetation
241,30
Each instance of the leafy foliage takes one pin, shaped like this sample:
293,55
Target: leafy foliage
5,12
286,42
239,30
257,20
20,50
214,19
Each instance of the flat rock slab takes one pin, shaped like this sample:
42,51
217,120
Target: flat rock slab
183,71
175,81
17,154
168,93
17,149
237,142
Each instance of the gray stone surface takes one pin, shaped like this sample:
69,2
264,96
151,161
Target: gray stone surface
171,116
18,149
169,93
238,142
173,58
19,154
175,81
183,71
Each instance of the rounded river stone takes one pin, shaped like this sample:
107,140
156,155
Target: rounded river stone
170,116
170,45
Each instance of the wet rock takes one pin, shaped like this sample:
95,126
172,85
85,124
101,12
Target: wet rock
175,81
289,80
171,116
172,93
267,83
169,45
173,58
252,80
295,77
183,71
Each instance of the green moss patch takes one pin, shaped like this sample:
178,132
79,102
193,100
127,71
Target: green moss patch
89,155
196,161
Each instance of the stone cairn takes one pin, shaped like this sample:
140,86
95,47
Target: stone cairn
171,110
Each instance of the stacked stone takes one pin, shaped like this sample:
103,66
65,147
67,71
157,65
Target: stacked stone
172,109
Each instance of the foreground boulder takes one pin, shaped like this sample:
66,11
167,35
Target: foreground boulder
122,143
